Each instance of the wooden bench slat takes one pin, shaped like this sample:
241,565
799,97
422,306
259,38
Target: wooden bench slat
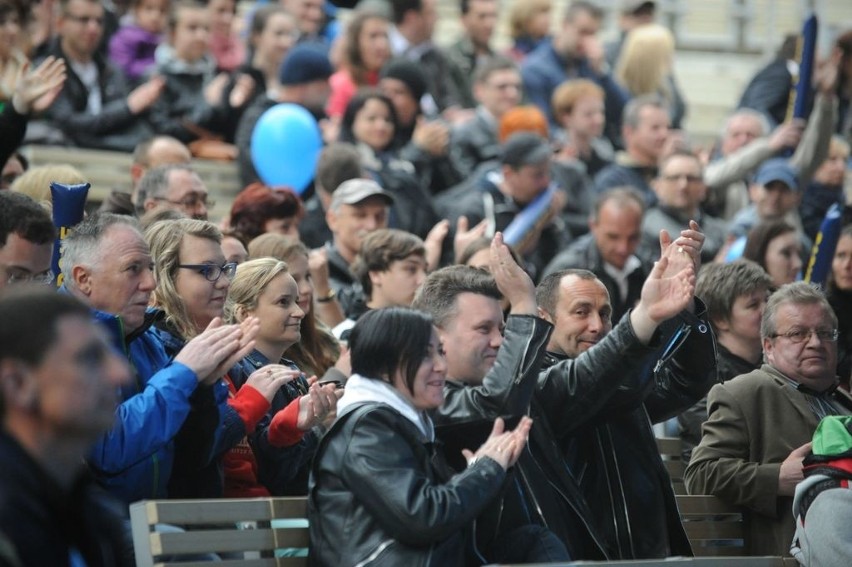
192,512
704,506
263,562
713,530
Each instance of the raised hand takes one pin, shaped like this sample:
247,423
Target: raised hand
512,281
465,236
662,298
269,379
243,87
787,134
684,251
434,244
36,89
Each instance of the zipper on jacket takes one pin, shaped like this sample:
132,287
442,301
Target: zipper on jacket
376,552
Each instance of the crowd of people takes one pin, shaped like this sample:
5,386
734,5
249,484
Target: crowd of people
457,339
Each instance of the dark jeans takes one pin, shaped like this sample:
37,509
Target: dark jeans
529,544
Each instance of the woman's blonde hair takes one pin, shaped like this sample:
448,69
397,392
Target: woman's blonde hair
645,61
164,239
318,350
251,279
522,12
36,181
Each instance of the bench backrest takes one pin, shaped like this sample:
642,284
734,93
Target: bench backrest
713,527
670,450
257,532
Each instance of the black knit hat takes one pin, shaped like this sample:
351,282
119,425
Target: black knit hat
409,73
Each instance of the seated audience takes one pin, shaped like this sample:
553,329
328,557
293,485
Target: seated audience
680,190
338,162
645,66
578,109
646,139
826,188
423,141
303,80
270,458
366,49
190,107
391,267
777,248
529,27
406,495
96,109
108,266
497,88
26,241
150,153
358,207
839,294
317,351
611,250
133,45
574,53
760,424
176,187
259,209
473,46
370,123
226,47
735,295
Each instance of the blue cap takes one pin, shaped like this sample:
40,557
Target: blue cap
305,63
777,169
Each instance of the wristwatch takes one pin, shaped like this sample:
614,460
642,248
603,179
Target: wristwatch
328,297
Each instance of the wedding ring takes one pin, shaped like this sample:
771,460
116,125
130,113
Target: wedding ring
680,249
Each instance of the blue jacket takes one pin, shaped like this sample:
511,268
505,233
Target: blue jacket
543,70
211,428
133,460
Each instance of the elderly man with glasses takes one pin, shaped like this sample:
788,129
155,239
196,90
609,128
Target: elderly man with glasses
175,186
760,423
26,241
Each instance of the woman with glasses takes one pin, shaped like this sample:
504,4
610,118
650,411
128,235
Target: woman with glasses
272,458
193,279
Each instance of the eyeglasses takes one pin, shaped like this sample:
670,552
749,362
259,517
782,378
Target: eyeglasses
802,335
212,272
17,277
679,176
85,20
190,201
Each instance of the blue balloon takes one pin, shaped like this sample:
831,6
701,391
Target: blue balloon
285,146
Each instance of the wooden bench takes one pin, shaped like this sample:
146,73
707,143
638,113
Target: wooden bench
256,532
714,527
107,170
670,450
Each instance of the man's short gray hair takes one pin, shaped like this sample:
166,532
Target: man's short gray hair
761,118
155,183
82,246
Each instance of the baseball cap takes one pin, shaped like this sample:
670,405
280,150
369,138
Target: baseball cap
354,191
777,169
525,148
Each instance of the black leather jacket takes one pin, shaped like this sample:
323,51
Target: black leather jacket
381,495
538,490
612,452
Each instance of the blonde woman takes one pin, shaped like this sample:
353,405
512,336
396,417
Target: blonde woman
529,26
272,457
645,67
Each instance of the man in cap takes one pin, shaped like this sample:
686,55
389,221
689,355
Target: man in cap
501,195
358,207
304,81
774,195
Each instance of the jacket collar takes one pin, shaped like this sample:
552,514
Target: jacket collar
360,390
